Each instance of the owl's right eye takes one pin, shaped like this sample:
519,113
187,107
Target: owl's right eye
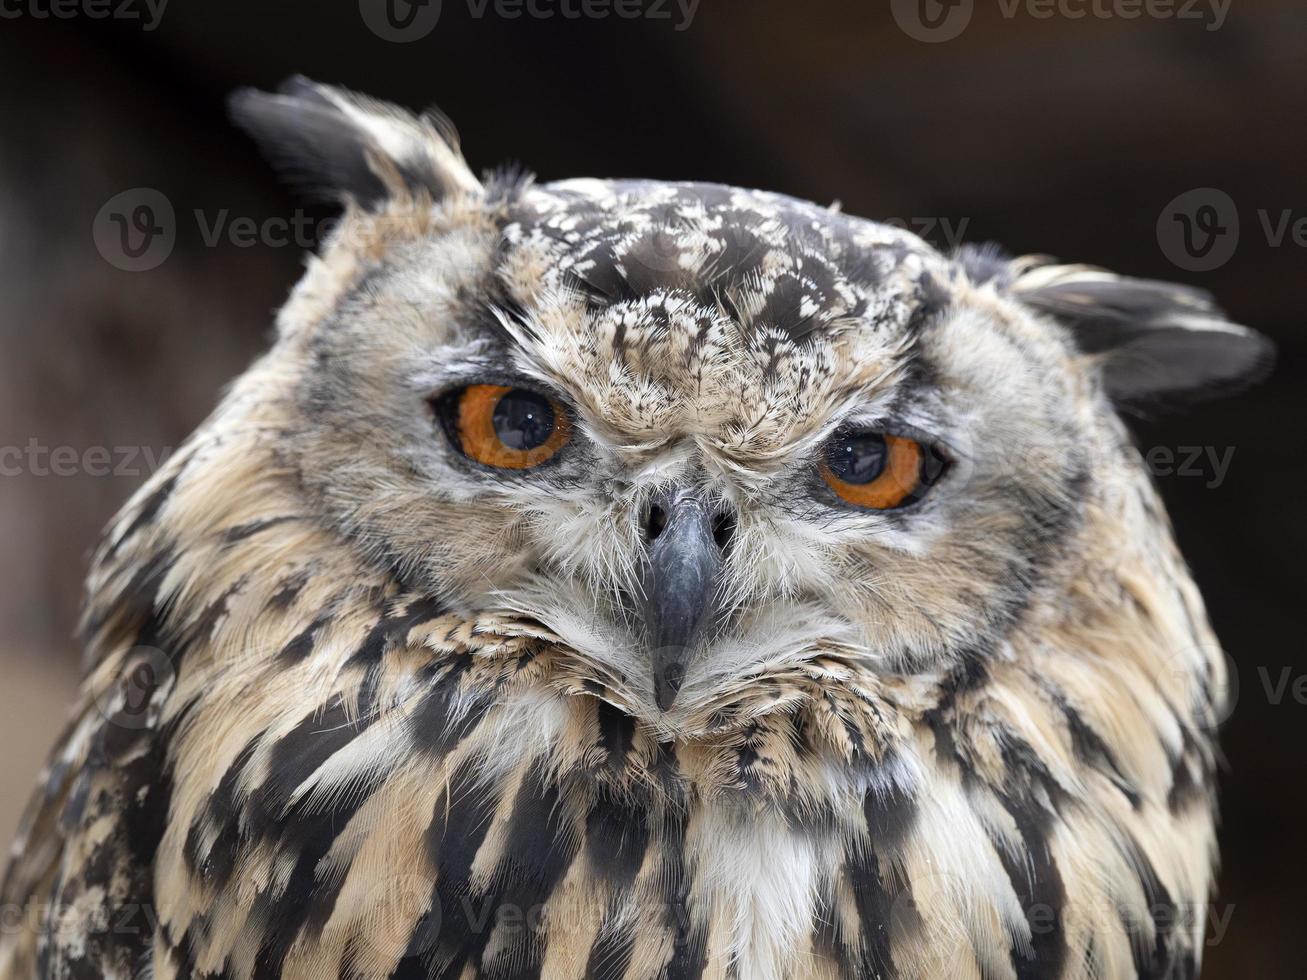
878,471
503,426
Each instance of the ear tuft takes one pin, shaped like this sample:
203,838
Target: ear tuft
1155,341
338,146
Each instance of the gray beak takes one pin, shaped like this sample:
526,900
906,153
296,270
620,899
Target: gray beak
685,558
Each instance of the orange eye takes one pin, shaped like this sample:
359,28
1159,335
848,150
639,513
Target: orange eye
877,470
511,428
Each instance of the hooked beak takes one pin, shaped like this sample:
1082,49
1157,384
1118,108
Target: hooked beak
680,585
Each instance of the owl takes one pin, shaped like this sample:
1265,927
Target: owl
630,579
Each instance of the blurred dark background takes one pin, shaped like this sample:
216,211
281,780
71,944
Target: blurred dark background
1018,122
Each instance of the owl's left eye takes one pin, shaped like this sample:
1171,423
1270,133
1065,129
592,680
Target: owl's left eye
506,427
877,470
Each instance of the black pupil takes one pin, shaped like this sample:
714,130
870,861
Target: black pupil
523,419
856,457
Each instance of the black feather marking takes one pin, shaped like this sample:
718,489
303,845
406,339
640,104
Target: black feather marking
689,939
296,828
307,902
287,592
148,511
616,734
301,645
933,300
221,812
1094,753
890,816
181,954
783,311
616,838
539,846
1185,790
443,719
413,964
146,797
602,281
875,908
1161,959
970,674
201,628
240,532
296,756
611,954
139,603
393,628
458,828
1037,885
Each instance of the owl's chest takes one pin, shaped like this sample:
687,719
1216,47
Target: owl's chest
487,831
524,829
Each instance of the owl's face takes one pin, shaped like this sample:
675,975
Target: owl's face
700,433
727,423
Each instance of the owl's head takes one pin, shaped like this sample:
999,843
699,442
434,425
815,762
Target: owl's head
704,434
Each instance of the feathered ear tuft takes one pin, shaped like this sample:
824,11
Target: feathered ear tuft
338,146
1156,342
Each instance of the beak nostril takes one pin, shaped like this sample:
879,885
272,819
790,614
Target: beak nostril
655,521
723,530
